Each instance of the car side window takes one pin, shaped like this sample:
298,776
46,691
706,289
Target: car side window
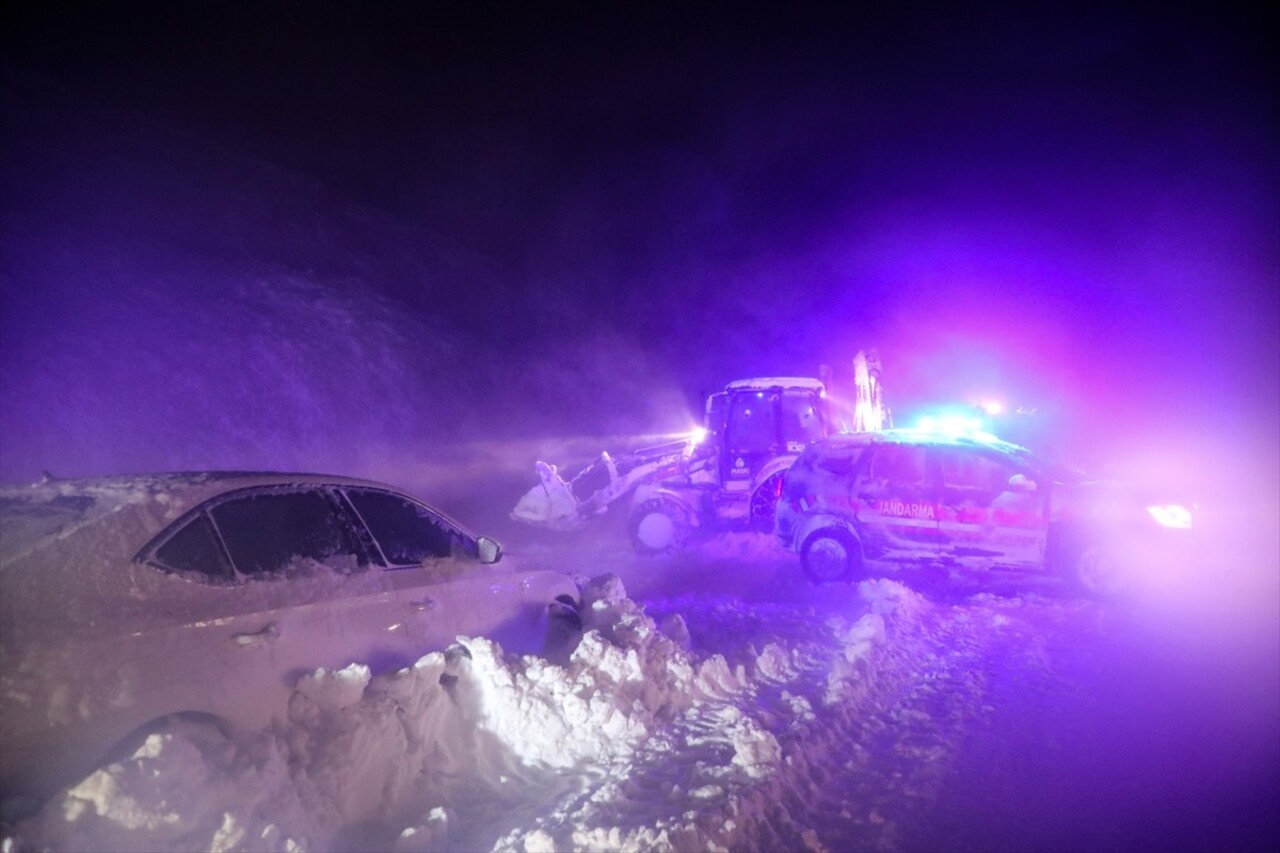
407,532
266,531
964,470
898,463
840,463
194,548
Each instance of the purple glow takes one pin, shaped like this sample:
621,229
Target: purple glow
431,245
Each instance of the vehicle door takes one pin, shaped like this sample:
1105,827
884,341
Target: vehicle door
751,438
894,494
989,511
436,571
268,584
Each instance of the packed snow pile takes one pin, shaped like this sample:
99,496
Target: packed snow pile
636,742
54,509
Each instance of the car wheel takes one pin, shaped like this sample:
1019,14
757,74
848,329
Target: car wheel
207,732
659,526
764,503
564,629
1098,571
831,555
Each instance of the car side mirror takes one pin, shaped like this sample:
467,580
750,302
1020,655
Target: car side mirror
489,550
1022,483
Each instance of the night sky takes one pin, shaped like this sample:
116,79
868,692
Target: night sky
318,235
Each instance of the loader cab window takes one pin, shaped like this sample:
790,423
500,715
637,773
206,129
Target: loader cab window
751,423
717,409
801,418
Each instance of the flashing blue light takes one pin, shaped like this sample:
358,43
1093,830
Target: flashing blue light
951,424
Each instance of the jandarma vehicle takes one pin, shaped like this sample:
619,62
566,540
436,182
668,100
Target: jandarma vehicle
910,496
131,602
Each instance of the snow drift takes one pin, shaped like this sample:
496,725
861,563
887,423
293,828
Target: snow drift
635,742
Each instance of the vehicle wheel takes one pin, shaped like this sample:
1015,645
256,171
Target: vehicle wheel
830,555
564,629
764,503
1098,571
207,732
659,526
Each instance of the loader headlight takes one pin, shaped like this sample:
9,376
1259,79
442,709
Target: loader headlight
1171,515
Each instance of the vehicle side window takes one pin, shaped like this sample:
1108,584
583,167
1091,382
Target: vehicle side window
898,463
407,532
800,418
841,464
717,404
751,423
975,471
194,548
265,532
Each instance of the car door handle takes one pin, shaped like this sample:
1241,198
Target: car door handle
266,635
424,604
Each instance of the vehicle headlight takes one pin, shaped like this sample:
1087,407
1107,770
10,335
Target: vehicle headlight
1171,515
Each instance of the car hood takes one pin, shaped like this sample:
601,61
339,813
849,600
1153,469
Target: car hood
1105,500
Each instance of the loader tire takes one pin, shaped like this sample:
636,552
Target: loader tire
659,526
764,504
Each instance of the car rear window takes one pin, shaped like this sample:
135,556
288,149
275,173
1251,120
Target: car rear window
408,533
194,548
266,532
839,461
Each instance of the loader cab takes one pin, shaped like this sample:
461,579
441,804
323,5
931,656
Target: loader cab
753,422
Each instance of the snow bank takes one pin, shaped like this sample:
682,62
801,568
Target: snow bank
55,509
636,742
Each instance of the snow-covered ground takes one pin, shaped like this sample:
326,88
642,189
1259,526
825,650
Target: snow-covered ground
717,701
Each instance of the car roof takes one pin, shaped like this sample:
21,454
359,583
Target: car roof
50,509
853,440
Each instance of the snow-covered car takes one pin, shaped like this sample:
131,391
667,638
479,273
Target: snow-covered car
911,496
129,603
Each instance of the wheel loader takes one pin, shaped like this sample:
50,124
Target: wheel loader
727,475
